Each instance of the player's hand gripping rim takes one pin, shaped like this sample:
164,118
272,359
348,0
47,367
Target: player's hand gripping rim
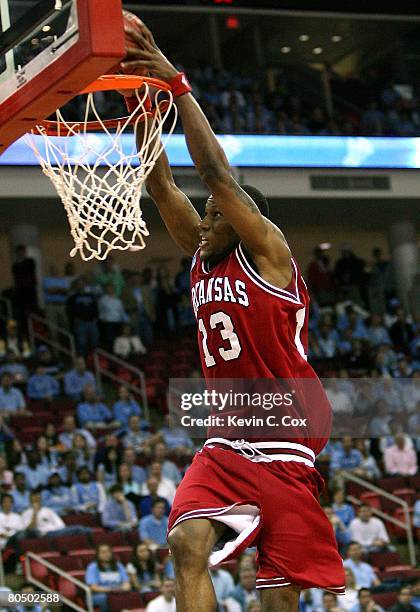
148,55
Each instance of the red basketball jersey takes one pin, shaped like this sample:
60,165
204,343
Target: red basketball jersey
250,329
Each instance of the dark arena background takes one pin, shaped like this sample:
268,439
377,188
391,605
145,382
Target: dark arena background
318,106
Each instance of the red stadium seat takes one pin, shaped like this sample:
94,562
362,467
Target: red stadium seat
66,543
395,530
382,560
385,600
68,563
81,518
67,588
149,596
390,483
371,499
115,538
123,553
86,555
407,495
414,481
125,601
37,545
132,537
402,572
38,570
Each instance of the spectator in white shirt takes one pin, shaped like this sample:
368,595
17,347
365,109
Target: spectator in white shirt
166,601
10,522
128,345
166,488
368,530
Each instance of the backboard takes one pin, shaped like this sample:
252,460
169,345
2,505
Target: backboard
49,51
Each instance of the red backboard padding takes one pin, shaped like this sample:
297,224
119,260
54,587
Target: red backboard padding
99,48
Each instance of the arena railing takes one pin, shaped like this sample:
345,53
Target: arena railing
56,570
110,370
56,334
406,524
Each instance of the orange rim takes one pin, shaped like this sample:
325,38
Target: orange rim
107,82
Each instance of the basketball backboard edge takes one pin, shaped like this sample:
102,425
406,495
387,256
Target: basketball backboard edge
98,49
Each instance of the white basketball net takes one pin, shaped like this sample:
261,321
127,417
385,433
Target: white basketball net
97,180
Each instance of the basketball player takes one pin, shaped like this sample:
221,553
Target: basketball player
251,305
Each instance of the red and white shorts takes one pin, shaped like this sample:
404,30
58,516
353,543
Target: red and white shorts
267,493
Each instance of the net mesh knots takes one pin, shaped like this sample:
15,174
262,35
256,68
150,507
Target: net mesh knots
99,179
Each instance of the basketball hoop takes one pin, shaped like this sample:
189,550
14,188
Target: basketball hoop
98,181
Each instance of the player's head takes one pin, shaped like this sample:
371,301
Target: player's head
218,238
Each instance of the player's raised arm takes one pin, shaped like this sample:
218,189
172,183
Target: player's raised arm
262,238
175,208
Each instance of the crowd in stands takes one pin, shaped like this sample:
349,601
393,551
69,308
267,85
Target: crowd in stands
241,102
98,456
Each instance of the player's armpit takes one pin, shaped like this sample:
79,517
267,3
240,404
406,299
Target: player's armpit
261,236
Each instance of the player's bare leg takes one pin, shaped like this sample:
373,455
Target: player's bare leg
284,599
191,543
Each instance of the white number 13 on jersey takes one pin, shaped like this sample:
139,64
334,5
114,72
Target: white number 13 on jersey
227,331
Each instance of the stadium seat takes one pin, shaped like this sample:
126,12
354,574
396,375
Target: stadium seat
68,563
149,596
125,601
371,499
132,537
395,530
37,545
38,570
385,600
81,518
86,555
66,543
407,495
67,588
115,538
123,553
402,572
382,560
390,483
414,481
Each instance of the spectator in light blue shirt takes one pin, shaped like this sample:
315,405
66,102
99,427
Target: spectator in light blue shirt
344,511
376,332
153,528
12,365
75,380
169,469
125,407
363,573
345,457
105,575
88,495
20,493
57,496
222,583
36,474
42,386
416,514
91,412
70,430
175,437
119,513
11,399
